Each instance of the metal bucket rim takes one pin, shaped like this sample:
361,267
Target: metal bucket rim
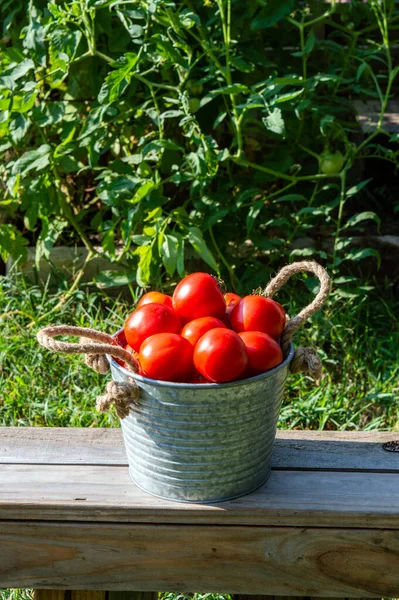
174,384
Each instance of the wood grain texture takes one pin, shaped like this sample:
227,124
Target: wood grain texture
88,595
50,595
294,498
317,450
132,595
274,560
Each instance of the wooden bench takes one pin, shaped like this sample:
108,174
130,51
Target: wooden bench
326,524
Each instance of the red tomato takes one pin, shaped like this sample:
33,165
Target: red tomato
148,320
198,295
256,313
263,352
157,297
220,355
167,356
231,300
196,329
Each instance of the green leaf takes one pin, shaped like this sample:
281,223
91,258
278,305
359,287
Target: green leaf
49,114
363,216
157,145
108,241
275,122
291,198
188,19
169,253
93,121
32,160
135,31
234,88
287,97
19,128
11,75
326,123
142,192
198,243
253,214
12,243
272,13
108,279
302,252
144,269
356,188
64,42
51,230
117,81
361,254
169,52
310,42
242,65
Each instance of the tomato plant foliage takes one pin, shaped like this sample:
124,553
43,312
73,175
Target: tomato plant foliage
155,131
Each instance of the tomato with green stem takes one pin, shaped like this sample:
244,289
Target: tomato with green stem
198,295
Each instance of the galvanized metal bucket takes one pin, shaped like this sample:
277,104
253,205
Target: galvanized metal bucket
202,442
197,442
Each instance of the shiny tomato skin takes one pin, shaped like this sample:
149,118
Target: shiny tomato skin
198,295
263,352
194,330
148,320
231,300
256,313
220,356
167,357
157,297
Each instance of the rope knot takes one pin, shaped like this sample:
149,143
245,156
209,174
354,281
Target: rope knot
97,362
121,395
306,360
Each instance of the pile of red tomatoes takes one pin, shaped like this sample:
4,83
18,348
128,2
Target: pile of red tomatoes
200,335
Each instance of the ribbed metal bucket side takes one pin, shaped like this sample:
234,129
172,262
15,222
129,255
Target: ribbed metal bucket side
202,443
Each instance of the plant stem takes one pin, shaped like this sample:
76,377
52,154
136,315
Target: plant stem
279,174
232,275
339,222
150,84
226,26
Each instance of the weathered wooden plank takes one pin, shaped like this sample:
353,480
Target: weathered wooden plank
319,450
274,560
295,498
61,445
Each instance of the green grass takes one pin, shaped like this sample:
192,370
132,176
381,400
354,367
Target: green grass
358,340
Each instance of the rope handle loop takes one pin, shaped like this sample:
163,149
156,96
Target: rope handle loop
105,345
281,278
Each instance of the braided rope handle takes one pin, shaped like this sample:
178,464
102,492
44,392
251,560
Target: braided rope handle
281,278
120,394
106,345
